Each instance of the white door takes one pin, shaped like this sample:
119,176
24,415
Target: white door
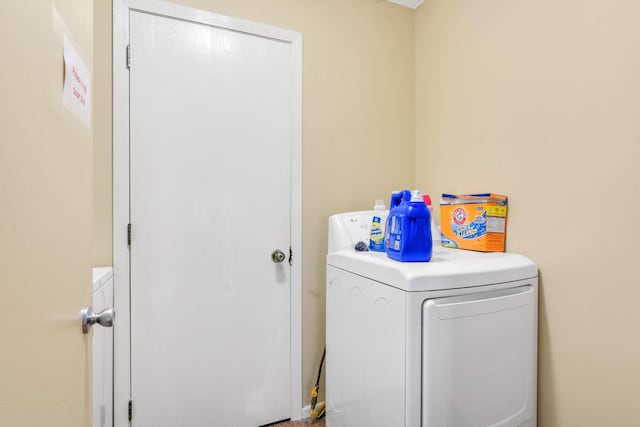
211,131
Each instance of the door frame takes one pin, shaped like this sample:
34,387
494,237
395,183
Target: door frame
121,205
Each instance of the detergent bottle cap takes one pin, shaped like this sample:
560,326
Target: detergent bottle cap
427,199
379,205
416,196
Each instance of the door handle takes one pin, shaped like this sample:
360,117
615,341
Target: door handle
89,318
277,256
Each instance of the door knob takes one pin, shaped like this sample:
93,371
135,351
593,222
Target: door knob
277,256
89,318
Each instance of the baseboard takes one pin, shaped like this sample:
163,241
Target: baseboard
305,412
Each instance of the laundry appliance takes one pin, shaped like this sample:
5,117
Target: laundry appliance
448,343
102,343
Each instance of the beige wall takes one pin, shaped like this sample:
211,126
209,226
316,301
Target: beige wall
540,101
358,131
45,219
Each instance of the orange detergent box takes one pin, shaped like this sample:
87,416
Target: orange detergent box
477,222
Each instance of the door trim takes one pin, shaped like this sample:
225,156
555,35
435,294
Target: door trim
121,264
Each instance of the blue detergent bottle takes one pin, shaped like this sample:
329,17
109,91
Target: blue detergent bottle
396,199
408,236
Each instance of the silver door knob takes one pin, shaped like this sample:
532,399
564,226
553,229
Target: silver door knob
277,256
89,318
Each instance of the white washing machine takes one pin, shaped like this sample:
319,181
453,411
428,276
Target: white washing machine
102,343
448,343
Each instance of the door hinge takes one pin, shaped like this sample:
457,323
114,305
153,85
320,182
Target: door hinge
129,56
290,256
130,410
128,234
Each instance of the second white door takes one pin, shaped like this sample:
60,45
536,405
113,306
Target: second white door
210,183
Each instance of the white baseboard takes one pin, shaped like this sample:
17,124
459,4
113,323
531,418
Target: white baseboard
305,412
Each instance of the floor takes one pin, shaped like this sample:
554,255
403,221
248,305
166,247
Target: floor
301,423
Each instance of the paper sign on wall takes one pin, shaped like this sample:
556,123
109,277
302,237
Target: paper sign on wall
77,84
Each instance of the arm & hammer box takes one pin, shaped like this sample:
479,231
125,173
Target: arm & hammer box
477,222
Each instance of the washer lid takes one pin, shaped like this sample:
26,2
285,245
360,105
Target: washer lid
101,275
448,268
